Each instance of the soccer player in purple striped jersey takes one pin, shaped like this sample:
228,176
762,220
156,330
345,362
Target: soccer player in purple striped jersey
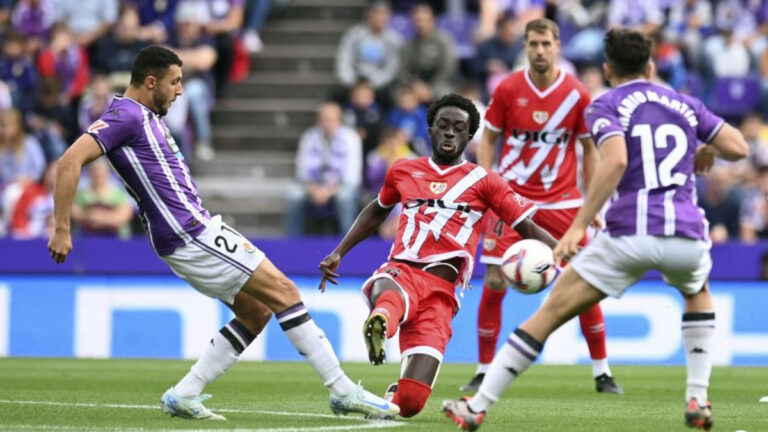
212,257
647,136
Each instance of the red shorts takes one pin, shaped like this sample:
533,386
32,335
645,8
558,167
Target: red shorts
500,236
430,305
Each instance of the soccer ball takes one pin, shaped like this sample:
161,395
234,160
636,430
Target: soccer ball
528,266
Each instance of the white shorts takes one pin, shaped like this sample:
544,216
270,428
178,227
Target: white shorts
612,264
218,262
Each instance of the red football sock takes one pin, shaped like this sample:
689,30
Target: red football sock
411,396
489,323
593,329
390,304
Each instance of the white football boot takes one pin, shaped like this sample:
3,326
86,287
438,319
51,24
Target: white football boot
187,407
363,402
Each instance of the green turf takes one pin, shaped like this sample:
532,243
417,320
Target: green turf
278,395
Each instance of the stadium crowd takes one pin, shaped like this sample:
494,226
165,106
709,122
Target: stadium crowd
62,60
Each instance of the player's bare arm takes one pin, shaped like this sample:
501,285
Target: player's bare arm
81,153
613,162
367,222
486,150
591,158
728,144
529,230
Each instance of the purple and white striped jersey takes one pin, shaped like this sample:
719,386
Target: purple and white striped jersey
147,159
662,128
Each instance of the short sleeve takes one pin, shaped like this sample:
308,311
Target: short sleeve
601,121
709,123
506,203
115,128
497,110
389,195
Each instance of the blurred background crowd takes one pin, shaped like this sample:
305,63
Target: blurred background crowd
294,109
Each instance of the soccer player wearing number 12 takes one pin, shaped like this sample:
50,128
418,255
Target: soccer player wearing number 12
540,112
443,198
647,136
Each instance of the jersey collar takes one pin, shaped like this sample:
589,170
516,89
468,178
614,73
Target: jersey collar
442,171
543,93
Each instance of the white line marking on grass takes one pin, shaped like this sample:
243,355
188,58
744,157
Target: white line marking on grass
366,425
371,425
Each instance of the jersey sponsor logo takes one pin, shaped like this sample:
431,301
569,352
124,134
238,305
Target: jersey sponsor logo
522,102
97,126
171,142
438,187
556,136
599,124
433,203
540,117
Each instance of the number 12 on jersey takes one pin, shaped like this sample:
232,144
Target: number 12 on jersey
650,140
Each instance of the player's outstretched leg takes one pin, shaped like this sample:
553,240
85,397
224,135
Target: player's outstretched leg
698,331
488,324
185,399
593,328
384,319
269,285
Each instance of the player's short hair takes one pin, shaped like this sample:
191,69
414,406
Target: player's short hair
627,51
153,60
459,102
541,26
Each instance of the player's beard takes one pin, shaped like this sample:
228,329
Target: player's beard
162,103
541,67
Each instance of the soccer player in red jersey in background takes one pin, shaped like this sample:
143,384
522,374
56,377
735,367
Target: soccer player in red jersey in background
443,199
540,112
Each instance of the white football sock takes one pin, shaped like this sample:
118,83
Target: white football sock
698,332
221,354
482,368
311,342
600,366
515,356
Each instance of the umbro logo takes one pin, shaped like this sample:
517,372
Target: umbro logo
698,350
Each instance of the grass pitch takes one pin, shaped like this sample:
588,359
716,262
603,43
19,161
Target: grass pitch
111,395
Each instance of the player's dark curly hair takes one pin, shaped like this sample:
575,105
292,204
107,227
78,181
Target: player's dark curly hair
459,102
627,51
152,60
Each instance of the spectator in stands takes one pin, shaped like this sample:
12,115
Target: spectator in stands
102,207
588,18
497,56
21,158
592,78
197,52
364,114
724,54
33,19
669,62
755,133
64,61
226,19
370,51
522,11
87,20
721,200
52,121
642,15
393,146
95,102
18,71
329,170
119,48
156,18
754,210
410,118
688,21
256,15
32,215
428,59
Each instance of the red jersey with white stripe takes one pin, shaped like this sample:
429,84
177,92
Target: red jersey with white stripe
540,127
442,205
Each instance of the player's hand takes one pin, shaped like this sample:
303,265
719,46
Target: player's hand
328,266
704,159
60,245
568,246
597,222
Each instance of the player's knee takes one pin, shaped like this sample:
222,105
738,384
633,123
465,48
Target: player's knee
493,279
411,396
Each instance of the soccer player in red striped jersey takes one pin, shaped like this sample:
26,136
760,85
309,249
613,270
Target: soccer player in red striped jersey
539,113
443,199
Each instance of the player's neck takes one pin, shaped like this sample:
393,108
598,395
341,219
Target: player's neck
443,162
617,81
544,79
140,96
